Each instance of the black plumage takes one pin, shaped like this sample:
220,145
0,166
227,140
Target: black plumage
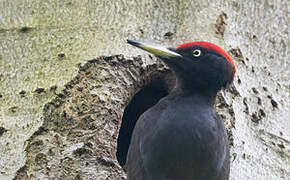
182,137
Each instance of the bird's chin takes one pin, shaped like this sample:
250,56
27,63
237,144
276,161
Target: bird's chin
169,62
175,65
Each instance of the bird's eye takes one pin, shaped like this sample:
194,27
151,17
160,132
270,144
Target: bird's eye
196,52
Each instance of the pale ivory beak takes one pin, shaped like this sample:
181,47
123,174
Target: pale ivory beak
155,49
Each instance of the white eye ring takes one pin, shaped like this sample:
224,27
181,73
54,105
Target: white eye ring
196,52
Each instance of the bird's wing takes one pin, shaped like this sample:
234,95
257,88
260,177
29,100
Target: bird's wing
168,144
144,127
134,164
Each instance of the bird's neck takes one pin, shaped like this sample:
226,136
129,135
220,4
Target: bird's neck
207,95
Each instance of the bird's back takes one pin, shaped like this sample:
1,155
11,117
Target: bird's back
176,139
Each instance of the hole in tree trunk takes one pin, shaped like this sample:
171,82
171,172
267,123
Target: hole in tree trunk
147,97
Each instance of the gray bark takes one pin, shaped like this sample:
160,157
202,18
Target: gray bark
60,112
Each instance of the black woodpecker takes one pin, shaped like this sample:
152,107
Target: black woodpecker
182,137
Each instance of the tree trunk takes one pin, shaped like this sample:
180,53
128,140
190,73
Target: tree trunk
69,82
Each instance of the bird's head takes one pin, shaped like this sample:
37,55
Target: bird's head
198,65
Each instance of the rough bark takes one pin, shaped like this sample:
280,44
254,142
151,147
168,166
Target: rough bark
67,76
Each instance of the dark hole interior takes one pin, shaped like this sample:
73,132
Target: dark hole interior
147,97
